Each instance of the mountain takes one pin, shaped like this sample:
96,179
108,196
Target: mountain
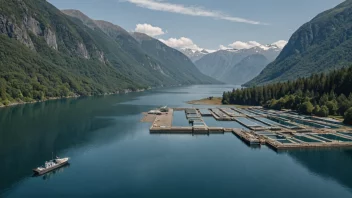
175,61
321,45
219,64
247,68
174,66
216,64
45,53
194,55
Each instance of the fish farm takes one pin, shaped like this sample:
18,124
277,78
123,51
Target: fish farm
254,125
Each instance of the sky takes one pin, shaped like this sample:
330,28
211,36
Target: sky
206,24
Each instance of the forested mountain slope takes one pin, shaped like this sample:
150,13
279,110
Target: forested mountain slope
175,60
172,66
321,45
45,53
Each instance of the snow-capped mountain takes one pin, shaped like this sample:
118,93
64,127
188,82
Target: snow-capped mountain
220,64
194,55
269,51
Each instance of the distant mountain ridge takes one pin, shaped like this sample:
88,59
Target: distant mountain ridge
177,62
219,64
321,45
247,68
194,55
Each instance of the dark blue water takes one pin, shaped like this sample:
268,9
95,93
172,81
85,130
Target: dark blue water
257,122
212,122
113,154
179,119
306,139
268,121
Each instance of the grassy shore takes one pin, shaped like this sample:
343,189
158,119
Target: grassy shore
206,101
340,118
213,101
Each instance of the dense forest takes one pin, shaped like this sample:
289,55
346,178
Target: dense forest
320,94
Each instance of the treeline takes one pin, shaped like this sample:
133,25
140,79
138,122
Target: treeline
320,94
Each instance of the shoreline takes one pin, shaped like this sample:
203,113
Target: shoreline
206,101
213,101
32,102
126,91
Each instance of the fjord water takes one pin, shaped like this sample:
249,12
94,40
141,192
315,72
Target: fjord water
113,154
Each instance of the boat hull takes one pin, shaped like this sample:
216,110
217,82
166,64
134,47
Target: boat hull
41,172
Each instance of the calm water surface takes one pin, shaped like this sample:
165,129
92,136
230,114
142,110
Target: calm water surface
113,154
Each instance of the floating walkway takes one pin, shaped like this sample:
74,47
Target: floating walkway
246,137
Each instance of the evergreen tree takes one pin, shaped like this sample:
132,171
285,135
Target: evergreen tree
324,111
316,110
326,94
306,108
348,117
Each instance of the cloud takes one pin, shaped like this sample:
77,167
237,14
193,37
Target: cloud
222,47
161,5
250,44
182,42
244,45
149,29
210,50
281,43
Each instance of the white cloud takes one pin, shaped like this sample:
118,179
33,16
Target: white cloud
244,45
149,29
161,5
182,42
250,44
210,50
281,43
222,47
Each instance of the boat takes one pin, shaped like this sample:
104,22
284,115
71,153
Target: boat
51,165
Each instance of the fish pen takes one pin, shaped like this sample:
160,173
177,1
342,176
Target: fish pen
204,112
250,124
252,130
220,115
230,112
244,112
285,123
334,137
307,139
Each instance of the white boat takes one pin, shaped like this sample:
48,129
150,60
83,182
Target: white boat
51,165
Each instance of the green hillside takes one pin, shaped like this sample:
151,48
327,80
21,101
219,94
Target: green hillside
176,62
167,64
321,45
47,54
